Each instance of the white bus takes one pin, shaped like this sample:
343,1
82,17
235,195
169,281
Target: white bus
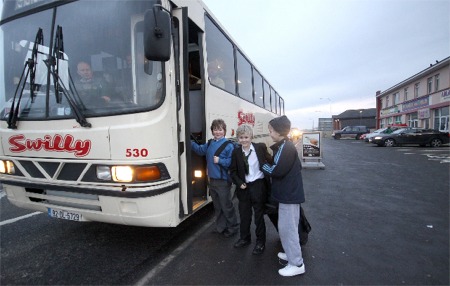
108,140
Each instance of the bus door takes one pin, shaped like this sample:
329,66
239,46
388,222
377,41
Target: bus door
191,110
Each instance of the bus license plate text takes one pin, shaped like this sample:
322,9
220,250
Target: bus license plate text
62,214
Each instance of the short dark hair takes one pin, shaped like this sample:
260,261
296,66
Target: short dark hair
219,123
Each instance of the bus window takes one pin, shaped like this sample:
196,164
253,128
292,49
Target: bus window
220,56
244,72
277,103
267,96
109,47
258,86
273,100
19,40
148,86
281,106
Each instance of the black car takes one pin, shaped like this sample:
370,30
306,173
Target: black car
353,132
414,136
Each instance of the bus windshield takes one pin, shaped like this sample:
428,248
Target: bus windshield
100,68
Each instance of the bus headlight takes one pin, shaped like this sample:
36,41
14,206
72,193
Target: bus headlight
126,174
122,173
7,167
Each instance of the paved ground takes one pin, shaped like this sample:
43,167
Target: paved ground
378,215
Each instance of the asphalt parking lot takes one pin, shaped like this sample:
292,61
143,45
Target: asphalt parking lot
378,216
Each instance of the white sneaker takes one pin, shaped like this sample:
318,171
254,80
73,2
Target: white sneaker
292,270
282,255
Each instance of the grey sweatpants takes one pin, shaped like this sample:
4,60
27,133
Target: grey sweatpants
288,220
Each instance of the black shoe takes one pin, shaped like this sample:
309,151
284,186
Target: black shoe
241,243
259,248
227,233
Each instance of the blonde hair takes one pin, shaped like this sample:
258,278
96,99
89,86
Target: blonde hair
244,129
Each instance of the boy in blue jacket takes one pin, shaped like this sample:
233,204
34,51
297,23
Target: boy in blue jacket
218,177
287,190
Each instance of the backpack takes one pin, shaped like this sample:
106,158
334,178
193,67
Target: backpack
220,150
222,147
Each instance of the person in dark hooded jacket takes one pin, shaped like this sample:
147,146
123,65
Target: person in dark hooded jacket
287,190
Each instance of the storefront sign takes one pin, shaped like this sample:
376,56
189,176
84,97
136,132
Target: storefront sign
388,111
418,103
423,113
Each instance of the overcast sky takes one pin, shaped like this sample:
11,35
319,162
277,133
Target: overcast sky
342,51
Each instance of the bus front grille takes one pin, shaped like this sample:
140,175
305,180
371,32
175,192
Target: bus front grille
64,199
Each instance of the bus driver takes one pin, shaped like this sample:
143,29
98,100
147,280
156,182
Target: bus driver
92,90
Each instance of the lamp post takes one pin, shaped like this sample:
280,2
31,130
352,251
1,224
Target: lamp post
360,117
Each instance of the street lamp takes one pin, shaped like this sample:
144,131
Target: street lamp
360,117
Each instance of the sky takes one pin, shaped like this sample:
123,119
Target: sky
328,56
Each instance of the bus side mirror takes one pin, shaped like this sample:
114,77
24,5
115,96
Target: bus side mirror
157,33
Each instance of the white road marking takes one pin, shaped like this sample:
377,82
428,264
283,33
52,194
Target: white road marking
18,218
166,261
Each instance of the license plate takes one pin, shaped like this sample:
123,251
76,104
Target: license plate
62,214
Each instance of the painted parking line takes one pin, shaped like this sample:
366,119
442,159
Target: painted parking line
13,220
441,155
18,218
172,256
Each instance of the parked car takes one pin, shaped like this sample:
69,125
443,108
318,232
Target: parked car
350,132
412,136
386,130
367,136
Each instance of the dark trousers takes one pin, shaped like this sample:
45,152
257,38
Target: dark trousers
226,218
253,197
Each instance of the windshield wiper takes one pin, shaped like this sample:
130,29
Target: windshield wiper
30,68
58,54
53,64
